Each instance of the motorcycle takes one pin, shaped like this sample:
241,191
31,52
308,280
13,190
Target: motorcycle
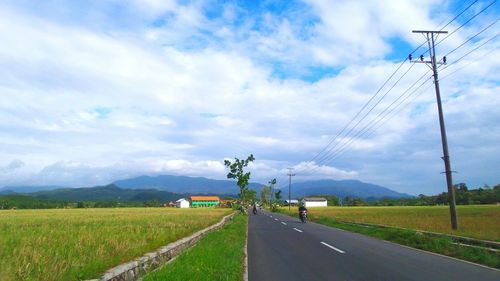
303,216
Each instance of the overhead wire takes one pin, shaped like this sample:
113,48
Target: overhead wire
466,22
466,54
470,39
381,116
362,132
328,151
326,157
470,5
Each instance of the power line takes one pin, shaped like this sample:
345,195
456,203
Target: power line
453,19
383,114
471,51
449,22
328,151
404,106
369,111
462,25
328,146
371,124
466,22
442,78
361,110
460,68
472,37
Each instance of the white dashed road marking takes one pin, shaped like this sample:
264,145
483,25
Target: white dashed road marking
331,247
284,223
299,230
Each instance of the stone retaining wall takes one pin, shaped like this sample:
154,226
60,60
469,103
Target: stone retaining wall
133,270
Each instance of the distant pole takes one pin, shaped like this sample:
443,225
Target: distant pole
446,157
290,175
271,198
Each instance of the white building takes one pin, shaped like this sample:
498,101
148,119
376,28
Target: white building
182,203
292,202
314,202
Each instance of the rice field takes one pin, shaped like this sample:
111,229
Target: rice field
476,221
75,244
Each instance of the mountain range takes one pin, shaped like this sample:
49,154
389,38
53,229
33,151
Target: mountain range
168,187
106,193
183,184
343,188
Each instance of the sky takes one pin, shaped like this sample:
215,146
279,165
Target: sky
96,91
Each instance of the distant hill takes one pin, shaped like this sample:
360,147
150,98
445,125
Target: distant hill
183,184
193,185
106,193
27,188
342,189
168,187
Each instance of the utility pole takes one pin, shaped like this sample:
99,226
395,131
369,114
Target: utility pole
446,157
271,185
290,175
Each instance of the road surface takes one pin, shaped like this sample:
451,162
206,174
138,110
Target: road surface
283,248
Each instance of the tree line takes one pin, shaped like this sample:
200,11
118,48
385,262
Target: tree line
463,196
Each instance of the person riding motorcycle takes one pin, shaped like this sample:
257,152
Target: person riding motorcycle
254,208
302,213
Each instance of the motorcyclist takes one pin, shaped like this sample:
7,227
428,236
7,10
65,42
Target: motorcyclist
302,212
254,208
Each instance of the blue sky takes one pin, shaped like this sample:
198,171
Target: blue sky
94,91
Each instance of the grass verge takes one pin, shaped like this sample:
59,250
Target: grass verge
218,256
436,244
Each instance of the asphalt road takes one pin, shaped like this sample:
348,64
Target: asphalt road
283,248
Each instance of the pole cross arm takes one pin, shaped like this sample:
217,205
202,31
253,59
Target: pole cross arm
429,31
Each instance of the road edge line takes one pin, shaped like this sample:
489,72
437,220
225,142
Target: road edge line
245,271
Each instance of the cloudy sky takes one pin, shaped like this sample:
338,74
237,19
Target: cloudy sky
94,91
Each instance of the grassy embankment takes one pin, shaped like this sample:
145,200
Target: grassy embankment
74,244
480,222
218,256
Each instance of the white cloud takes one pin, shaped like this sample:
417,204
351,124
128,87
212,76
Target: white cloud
314,171
164,87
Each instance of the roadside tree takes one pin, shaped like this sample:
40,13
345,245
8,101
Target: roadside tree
265,195
236,172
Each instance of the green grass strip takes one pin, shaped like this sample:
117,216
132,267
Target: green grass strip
437,244
218,256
